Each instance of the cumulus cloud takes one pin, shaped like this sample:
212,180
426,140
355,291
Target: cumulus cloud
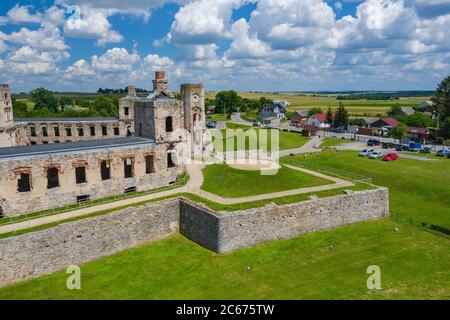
21,14
203,21
116,59
47,37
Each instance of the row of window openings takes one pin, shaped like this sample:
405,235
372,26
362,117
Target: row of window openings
24,182
69,131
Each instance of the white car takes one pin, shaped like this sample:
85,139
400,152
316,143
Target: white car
376,155
366,152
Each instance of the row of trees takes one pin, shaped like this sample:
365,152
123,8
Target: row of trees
441,108
47,105
229,101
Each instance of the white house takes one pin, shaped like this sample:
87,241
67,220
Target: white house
319,121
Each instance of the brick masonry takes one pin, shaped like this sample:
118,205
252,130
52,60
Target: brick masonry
47,251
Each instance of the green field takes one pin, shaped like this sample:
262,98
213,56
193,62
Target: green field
414,262
287,140
355,107
333,142
234,183
419,190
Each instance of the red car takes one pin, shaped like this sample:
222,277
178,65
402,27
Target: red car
390,157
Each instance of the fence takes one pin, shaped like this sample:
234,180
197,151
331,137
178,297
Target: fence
350,176
181,181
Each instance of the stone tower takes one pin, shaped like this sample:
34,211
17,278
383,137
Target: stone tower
6,117
193,98
160,115
126,110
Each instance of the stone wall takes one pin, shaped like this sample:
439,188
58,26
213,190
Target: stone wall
14,203
227,231
47,251
44,252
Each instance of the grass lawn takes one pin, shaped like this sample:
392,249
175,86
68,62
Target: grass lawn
333,142
287,140
414,264
234,183
419,190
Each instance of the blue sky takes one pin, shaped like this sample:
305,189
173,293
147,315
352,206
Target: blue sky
258,45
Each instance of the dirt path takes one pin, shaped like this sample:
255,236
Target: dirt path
193,186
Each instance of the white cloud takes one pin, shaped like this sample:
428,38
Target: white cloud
203,21
92,24
47,37
21,14
116,59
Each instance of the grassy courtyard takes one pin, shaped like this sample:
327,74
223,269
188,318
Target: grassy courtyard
230,141
414,264
234,183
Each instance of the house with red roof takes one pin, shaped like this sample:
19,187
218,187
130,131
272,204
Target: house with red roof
319,121
385,123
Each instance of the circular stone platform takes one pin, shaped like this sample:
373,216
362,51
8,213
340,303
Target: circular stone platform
255,165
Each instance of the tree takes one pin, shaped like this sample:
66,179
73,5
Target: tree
341,118
399,131
228,101
19,109
314,111
105,106
329,118
441,99
444,130
43,98
395,111
419,120
65,101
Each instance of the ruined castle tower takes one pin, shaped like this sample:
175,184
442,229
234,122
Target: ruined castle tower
126,110
6,117
193,98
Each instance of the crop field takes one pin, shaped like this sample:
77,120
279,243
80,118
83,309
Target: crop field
355,107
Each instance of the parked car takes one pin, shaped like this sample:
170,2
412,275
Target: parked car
426,150
256,123
402,148
443,153
388,145
376,155
392,156
414,147
211,125
373,142
366,152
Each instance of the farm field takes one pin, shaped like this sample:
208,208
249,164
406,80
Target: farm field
355,107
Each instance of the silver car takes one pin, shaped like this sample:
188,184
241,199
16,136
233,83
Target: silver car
376,155
366,152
